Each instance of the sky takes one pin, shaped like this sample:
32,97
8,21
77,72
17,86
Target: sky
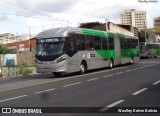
33,16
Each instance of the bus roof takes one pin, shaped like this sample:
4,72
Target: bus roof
64,31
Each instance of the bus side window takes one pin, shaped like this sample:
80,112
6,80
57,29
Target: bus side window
80,42
89,42
111,43
72,45
104,43
97,43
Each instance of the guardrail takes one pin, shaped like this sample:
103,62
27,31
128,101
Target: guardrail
11,71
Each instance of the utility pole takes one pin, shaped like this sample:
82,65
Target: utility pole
29,46
106,20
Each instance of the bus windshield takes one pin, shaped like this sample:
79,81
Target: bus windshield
46,48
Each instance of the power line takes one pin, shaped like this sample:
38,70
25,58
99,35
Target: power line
33,11
24,16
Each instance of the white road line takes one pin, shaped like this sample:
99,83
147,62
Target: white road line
111,105
135,68
108,75
115,103
128,70
92,79
119,73
13,98
45,91
139,91
143,67
156,82
72,84
51,81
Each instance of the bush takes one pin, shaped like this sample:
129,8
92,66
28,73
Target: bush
26,72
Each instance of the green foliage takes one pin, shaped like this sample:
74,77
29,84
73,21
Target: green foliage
26,72
3,50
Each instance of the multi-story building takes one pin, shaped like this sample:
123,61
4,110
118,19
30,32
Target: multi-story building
6,38
134,18
156,22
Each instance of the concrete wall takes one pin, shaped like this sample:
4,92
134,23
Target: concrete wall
117,29
5,57
26,57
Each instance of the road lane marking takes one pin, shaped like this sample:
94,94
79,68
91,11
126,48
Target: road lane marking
111,105
51,81
108,75
13,98
72,84
139,91
156,82
119,73
45,91
92,79
115,103
128,70
135,68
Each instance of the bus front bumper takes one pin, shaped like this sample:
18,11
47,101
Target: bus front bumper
43,68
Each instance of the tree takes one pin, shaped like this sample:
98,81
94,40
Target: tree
3,50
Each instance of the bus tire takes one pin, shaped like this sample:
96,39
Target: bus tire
83,67
111,63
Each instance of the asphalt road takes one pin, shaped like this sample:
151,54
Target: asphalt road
128,86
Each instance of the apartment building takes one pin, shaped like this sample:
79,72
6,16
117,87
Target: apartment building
156,22
134,18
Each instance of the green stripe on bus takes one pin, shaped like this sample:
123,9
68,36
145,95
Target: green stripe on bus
111,35
93,32
121,36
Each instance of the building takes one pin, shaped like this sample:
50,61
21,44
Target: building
156,22
23,52
125,29
153,34
135,18
6,38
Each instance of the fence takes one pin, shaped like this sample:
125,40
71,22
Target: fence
11,71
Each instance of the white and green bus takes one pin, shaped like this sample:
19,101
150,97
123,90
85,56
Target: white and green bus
67,50
148,50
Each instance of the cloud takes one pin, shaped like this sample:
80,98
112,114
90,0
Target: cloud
72,11
3,17
47,5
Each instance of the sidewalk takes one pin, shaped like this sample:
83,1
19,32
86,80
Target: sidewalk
5,70
24,81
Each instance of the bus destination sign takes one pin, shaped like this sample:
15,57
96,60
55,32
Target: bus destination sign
48,40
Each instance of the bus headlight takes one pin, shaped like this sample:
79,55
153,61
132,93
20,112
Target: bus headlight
38,62
63,58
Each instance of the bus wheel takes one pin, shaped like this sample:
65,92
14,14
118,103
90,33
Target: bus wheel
110,63
83,68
